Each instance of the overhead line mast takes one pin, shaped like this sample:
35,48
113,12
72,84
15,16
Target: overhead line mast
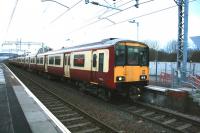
182,39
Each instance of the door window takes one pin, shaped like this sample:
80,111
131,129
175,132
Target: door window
94,64
101,62
69,60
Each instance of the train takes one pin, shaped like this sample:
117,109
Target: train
110,66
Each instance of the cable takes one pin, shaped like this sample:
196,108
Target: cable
11,17
65,12
126,8
86,25
125,3
57,3
107,10
129,8
82,27
107,2
99,17
154,12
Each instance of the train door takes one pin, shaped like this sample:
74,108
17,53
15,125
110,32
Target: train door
101,68
94,66
46,63
102,65
67,65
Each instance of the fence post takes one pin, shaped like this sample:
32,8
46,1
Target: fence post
193,70
172,73
156,71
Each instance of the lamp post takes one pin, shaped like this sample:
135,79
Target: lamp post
137,23
55,2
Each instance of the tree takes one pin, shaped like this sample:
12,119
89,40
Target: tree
153,49
195,54
171,46
153,44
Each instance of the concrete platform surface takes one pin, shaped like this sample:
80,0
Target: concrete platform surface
165,89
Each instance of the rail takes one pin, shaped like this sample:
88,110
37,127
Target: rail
169,119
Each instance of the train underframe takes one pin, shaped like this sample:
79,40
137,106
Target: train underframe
129,90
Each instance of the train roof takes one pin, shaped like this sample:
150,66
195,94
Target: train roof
102,44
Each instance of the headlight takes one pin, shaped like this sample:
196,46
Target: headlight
120,78
143,77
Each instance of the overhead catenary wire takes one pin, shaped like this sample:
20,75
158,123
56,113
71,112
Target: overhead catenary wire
57,3
58,17
116,23
96,21
129,8
65,12
99,16
147,14
107,2
11,17
106,11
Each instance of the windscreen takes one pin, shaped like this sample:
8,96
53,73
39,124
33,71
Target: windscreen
131,55
120,56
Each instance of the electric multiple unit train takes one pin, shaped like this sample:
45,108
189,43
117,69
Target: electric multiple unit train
111,65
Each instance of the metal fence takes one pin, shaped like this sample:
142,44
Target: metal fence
165,74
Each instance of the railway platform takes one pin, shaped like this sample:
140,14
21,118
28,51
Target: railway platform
21,111
179,92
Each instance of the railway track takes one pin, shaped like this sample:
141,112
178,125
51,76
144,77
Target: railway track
75,119
169,119
166,118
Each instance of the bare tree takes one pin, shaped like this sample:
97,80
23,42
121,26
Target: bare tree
153,44
153,48
171,46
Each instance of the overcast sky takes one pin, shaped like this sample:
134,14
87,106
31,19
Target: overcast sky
58,26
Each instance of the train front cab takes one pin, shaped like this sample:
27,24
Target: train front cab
131,71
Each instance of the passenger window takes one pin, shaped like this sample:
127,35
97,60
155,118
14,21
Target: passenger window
94,60
79,60
41,60
101,60
38,61
51,60
57,60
